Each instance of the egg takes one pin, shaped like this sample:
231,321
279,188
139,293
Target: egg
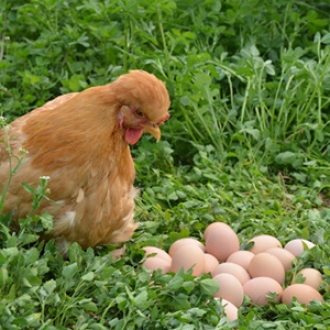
230,268
183,241
188,256
257,289
211,262
296,246
304,294
264,242
154,263
283,255
159,252
221,241
230,310
312,277
231,289
241,258
266,265
212,227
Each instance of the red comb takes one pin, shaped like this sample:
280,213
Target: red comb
164,119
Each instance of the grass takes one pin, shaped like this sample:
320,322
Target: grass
247,144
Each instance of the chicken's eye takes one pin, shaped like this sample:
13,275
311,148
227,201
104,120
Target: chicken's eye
138,114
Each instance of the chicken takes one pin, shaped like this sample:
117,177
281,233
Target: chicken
81,141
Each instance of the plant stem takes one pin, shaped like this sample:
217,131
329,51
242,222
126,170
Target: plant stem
166,52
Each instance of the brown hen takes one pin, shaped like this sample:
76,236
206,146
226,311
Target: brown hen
81,141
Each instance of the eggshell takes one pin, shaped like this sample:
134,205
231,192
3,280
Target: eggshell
230,268
214,226
159,252
241,258
312,277
296,246
264,242
265,264
230,289
260,287
211,262
282,255
230,310
221,241
304,294
154,263
187,256
183,241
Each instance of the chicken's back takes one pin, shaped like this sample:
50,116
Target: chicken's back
13,155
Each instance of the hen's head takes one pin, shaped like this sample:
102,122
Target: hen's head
144,103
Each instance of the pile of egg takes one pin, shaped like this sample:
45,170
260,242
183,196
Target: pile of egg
258,273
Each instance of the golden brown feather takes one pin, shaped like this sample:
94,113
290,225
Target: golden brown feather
81,141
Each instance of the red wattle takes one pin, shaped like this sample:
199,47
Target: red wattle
133,135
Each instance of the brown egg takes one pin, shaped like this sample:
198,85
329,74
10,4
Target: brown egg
230,289
221,241
260,287
283,255
154,263
230,310
183,241
266,265
296,246
241,258
213,226
264,242
312,277
211,262
159,252
230,268
189,255
304,294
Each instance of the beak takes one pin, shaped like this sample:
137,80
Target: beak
153,130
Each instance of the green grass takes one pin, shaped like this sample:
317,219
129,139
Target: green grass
247,144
